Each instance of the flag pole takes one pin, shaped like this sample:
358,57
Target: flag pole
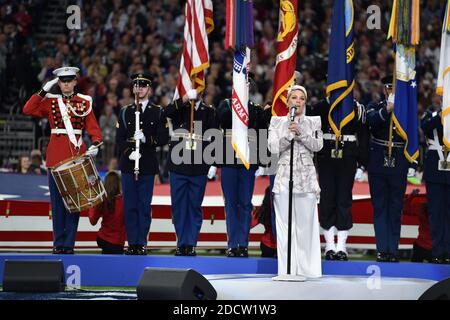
191,124
391,122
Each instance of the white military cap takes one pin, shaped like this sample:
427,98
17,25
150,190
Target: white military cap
66,72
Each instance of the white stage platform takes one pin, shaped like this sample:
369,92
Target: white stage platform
262,287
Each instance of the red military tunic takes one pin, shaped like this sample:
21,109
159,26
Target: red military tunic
60,148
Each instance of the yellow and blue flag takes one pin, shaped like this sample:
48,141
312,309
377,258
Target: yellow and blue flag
405,103
404,29
340,81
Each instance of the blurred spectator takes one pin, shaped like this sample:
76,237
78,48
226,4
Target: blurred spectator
37,166
107,123
113,164
23,165
126,97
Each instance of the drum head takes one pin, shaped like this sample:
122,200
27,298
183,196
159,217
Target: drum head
69,164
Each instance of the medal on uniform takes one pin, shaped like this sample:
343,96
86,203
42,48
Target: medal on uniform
389,160
336,153
444,165
191,144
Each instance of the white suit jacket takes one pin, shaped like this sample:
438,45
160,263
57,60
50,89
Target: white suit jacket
309,141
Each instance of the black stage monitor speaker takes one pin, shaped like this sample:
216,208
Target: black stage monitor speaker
438,291
174,284
33,276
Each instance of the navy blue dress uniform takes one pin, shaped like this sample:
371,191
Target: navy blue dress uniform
387,178
336,172
188,169
137,194
437,179
264,123
238,182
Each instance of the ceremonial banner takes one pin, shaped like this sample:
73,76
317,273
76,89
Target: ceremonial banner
286,55
340,81
404,30
239,103
239,37
405,105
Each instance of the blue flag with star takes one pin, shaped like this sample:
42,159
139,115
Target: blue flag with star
405,104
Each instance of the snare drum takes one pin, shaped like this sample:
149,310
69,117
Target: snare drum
79,183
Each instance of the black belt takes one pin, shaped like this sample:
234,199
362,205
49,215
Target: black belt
385,143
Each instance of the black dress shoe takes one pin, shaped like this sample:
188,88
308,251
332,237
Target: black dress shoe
58,250
131,250
330,255
190,251
243,252
141,251
382,257
68,250
393,258
232,252
180,251
446,260
341,256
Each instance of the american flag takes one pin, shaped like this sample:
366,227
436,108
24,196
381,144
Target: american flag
195,58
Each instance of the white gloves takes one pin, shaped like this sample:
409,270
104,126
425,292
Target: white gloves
391,98
192,94
48,85
359,175
259,172
139,135
134,155
212,172
92,151
411,172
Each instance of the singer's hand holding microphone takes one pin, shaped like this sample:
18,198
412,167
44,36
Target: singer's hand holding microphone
293,126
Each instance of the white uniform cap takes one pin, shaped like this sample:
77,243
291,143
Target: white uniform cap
66,71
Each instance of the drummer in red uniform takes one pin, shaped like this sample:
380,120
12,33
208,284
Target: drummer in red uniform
68,114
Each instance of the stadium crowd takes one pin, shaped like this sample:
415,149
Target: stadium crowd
120,37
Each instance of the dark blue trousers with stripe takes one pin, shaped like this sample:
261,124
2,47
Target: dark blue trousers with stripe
387,193
237,187
137,199
186,193
65,223
438,196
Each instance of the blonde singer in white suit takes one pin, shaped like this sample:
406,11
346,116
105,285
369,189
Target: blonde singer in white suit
305,239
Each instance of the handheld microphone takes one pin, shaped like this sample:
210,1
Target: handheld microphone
292,112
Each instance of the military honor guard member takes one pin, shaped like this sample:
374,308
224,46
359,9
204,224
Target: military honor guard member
388,170
68,114
187,171
337,166
141,127
437,178
237,181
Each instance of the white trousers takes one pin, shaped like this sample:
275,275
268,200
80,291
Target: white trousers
305,238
